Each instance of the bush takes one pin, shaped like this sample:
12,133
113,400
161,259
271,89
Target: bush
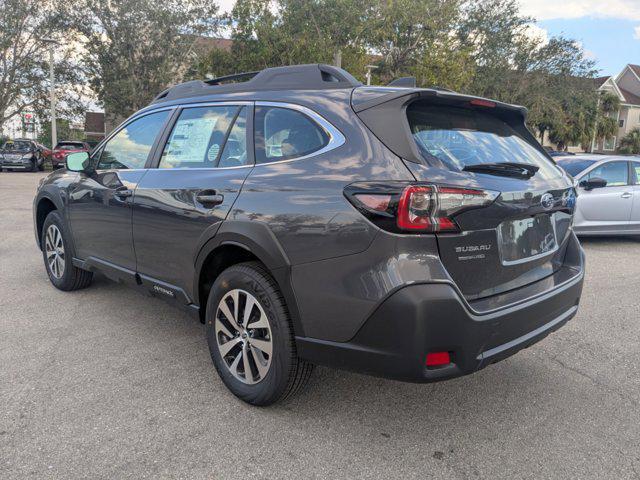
630,143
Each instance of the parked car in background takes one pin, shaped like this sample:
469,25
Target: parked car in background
608,187
64,148
21,154
557,153
46,152
417,234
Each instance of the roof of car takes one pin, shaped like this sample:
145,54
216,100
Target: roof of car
593,157
318,77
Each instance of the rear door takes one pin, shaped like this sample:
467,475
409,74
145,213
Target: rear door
198,172
634,223
606,209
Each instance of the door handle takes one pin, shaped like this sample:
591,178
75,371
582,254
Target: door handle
123,193
627,195
209,198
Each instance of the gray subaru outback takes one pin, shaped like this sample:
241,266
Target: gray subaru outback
305,219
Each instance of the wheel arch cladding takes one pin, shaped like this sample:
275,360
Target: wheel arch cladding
44,208
238,242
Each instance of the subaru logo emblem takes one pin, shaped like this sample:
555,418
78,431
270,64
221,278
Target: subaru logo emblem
547,201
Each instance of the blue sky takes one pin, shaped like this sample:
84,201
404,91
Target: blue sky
609,30
609,41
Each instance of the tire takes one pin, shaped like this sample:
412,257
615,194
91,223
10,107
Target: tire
62,273
34,165
283,374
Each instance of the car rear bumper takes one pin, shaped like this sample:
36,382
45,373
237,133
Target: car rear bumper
434,317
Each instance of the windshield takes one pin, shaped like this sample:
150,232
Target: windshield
574,167
457,137
17,145
69,146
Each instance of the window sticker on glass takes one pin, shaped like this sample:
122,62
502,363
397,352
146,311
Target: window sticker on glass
197,137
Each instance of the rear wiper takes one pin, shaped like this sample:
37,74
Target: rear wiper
506,169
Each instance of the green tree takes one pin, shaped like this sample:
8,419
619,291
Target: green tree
296,31
24,58
607,124
630,143
65,132
137,48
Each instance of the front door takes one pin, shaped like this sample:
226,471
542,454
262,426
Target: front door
100,202
180,204
607,209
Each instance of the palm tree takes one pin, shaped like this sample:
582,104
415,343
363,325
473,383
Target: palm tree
606,125
631,142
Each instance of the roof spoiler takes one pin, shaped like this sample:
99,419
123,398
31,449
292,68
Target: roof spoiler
440,96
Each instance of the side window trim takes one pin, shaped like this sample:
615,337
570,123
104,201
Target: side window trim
154,159
97,152
336,138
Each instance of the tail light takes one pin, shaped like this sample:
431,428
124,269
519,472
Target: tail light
416,208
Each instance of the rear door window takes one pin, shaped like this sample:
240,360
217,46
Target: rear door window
454,138
235,148
284,134
635,168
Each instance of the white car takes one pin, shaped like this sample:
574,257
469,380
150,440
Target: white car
608,189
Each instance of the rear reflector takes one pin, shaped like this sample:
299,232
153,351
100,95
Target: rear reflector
379,203
436,359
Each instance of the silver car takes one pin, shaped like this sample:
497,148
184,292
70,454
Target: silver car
608,193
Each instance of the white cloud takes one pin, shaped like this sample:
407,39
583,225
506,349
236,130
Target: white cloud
548,9
226,5
535,32
636,33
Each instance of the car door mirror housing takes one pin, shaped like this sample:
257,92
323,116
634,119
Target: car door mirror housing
593,183
78,162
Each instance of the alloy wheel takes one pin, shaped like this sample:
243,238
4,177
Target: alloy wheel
54,248
243,335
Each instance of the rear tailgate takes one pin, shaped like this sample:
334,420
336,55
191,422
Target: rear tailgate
522,236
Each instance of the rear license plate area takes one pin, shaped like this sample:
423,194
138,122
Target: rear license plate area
526,239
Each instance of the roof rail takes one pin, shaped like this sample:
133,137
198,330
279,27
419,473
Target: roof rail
235,76
294,77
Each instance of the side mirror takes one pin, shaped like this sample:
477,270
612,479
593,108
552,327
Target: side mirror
78,162
593,183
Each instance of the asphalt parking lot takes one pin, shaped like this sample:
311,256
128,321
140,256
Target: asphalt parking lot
106,383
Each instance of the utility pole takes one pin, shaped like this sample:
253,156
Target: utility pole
54,133
368,74
337,58
595,126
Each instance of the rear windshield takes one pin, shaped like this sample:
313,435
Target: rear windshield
69,146
457,137
574,167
